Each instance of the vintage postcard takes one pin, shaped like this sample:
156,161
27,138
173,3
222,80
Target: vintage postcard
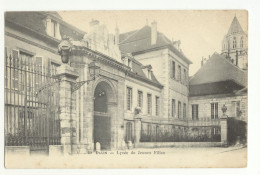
126,89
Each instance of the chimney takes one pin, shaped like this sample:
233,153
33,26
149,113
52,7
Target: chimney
116,35
202,61
154,32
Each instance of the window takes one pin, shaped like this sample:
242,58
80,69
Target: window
53,28
149,104
54,68
235,110
173,70
15,73
129,98
149,130
234,43
149,74
184,110
184,76
195,112
215,131
179,109
179,73
157,105
241,42
129,129
173,107
214,110
140,99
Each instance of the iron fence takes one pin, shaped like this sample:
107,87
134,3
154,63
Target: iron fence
183,131
31,102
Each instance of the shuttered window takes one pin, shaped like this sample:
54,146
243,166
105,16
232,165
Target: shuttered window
140,99
149,104
179,109
129,98
173,107
214,110
157,105
173,69
195,112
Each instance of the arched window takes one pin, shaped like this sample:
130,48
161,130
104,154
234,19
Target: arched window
234,43
241,42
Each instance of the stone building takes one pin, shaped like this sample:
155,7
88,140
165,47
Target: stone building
222,81
169,65
138,92
234,45
218,83
130,85
36,35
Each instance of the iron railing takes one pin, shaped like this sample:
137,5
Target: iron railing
31,111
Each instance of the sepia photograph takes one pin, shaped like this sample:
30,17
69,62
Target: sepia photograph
126,89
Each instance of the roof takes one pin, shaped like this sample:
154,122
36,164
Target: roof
235,27
35,21
216,71
139,41
223,87
137,70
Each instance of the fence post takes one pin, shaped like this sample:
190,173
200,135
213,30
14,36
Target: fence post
67,77
137,129
224,127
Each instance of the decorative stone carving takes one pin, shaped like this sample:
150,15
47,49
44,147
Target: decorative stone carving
64,49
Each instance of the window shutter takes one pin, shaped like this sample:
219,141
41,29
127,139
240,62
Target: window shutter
15,57
38,62
212,111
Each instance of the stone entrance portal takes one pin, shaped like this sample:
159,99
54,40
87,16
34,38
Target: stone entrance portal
102,115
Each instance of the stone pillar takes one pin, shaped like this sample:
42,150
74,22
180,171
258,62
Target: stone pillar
67,77
224,130
137,129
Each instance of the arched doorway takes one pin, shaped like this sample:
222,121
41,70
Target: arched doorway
103,96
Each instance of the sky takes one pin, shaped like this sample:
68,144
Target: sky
200,32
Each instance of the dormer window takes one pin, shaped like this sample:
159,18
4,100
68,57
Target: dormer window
149,74
148,71
129,63
53,28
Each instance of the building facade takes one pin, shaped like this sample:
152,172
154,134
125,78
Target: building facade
222,81
139,92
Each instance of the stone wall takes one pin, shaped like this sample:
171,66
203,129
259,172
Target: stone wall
160,60
204,103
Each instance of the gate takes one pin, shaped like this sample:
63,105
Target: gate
31,102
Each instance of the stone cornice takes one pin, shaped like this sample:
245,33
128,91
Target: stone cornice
31,42
51,39
100,57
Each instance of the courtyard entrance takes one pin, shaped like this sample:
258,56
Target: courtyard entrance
102,115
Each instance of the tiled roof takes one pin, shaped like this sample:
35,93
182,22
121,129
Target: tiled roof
235,27
124,36
137,70
216,71
140,41
36,21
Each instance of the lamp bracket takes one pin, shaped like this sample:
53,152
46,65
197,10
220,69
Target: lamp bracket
77,85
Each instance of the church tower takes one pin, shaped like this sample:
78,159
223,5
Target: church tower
234,45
